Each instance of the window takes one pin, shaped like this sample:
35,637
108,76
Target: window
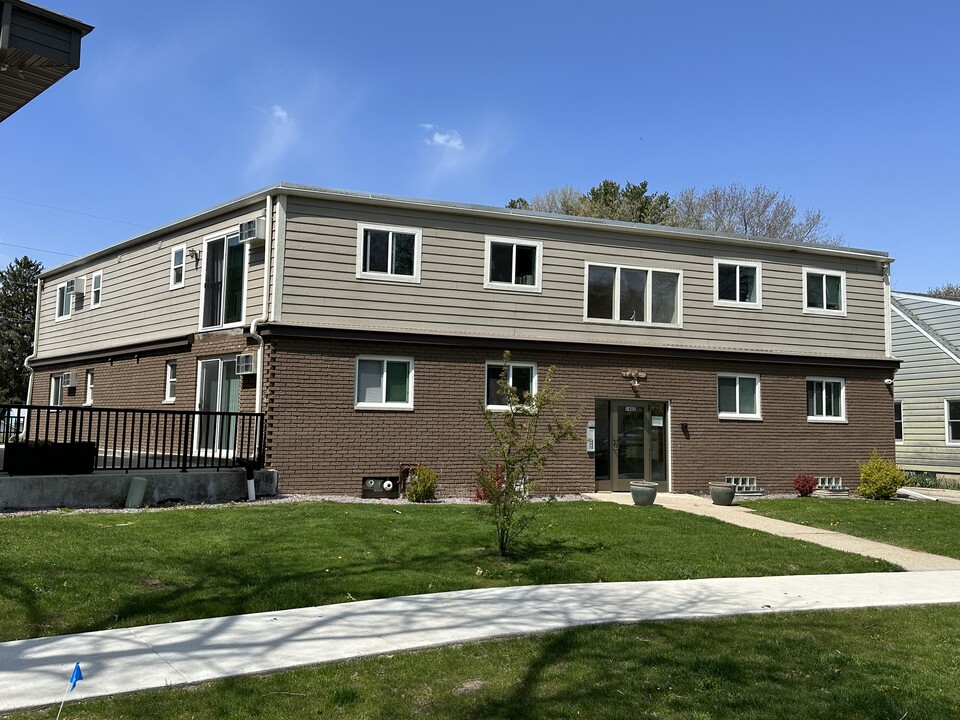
825,400
64,299
384,383
223,280
170,382
953,421
738,397
633,295
736,282
388,253
96,289
177,264
521,376
88,399
56,390
898,422
513,264
825,291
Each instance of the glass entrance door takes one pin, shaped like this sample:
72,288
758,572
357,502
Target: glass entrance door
218,390
631,443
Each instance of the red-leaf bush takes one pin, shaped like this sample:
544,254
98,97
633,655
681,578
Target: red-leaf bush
805,484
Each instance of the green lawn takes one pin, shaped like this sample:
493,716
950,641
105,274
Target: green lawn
930,527
72,572
896,664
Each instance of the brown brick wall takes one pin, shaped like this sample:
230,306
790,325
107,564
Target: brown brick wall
320,443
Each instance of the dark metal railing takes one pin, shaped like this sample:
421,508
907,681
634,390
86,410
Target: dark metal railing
129,439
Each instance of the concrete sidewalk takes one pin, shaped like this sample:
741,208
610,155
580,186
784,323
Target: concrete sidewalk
36,672
911,560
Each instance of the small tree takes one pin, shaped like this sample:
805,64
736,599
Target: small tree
524,436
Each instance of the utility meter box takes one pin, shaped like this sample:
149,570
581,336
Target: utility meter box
380,487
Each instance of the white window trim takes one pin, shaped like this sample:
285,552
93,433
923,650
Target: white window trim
616,296
843,401
56,299
842,274
203,274
499,364
168,399
56,387
510,286
900,403
758,415
93,289
946,422
383,405
88,388
388,276
173,265
758,304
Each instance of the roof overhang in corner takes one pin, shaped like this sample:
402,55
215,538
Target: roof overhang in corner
37,48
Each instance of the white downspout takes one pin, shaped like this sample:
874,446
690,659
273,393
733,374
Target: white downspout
36,336
267,251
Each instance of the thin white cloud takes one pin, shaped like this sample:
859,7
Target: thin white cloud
447,139
278,136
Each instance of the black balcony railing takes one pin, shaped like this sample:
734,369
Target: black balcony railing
128,439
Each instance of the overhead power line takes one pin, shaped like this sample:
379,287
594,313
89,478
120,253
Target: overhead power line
72,212
26,247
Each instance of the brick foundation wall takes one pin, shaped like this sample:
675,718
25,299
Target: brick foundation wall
320,444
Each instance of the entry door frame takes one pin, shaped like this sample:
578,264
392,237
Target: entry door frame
616,404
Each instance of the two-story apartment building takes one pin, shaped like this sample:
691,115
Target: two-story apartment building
377,324
926,338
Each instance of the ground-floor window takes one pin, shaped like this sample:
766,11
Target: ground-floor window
521,376
825,400
898,421
738,397
384,383
953,422
56,390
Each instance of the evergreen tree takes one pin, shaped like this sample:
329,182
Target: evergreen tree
18,302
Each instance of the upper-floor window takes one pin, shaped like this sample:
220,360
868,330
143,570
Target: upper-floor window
224,260
88,398
388,253
736,282
825,291
384,383
177,264
898,421
953,421
170,382
65,293
513,264
738,397
521,376
96,289
826,400
633,295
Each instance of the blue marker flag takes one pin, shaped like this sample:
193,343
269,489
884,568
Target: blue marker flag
77,675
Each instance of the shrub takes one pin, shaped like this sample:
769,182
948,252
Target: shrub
805,484
422,486
879,478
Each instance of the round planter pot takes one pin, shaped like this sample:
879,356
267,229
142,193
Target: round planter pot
722,493
643,492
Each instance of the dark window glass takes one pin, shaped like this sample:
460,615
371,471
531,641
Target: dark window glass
600,282
525,272
665,297
727,394
953,421
376,250
748,284
814,290
501,262
897,421
404,246
726,282
233,295
213,284
832,283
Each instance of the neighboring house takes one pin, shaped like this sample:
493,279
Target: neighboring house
926,339
371,327
37,48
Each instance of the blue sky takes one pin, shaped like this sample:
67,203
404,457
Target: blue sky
179,106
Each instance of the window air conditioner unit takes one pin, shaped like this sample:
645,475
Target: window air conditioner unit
246,364
254,231
68,380
78,285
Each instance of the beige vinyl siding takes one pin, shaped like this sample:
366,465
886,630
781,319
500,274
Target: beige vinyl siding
137,304
925,379
321,288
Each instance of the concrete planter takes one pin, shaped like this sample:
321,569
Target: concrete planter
643,492
722,493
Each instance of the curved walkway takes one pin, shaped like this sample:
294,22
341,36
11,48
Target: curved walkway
35,673
911,560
